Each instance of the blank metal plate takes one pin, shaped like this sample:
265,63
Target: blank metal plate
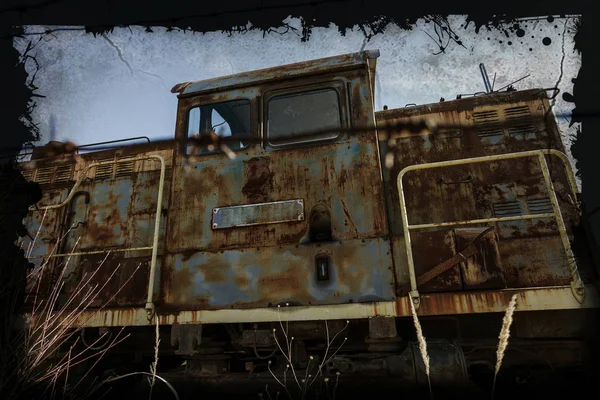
258,214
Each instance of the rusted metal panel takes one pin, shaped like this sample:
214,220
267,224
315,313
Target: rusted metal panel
142,212
107,216
116,214
320,175
465,142
483,270
258,214
502,188
106,213
496,301
114,281
324,173
359,271
548,298
431,248
530,262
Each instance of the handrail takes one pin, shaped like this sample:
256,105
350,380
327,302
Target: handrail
82,176
577,286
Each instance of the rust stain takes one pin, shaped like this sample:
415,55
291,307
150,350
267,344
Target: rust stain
348,217
259,180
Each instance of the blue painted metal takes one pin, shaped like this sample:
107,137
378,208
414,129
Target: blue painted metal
249,278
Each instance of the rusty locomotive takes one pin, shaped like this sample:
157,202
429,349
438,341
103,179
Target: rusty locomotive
336,231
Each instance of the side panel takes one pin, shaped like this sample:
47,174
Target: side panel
111,211
530,252
359,271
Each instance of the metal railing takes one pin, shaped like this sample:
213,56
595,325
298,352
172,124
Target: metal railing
577,286
82,176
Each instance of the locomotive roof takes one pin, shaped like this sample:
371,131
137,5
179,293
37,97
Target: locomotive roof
344,61
466,103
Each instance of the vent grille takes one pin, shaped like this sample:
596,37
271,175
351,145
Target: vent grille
507,209
50,175
63,173
104,171
27,174
492,134
482,117
44,175
489,133
540,206
124,168
114,170
522,131
516,112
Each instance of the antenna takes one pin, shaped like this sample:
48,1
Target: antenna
512,83
486,78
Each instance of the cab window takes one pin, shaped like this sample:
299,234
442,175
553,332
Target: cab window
226,119
293,117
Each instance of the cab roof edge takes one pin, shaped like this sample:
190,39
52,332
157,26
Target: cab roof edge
254,76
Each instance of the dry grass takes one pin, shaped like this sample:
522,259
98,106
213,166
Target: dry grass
36,369
504,335
304,384
155,362
422,343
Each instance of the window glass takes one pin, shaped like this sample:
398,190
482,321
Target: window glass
231,118
293,115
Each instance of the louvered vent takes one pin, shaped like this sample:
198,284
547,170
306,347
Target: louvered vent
487,116
516,112
43,175
50,175
104,171
507,209
124,168
522,131
540,206
27,174
489,132
63,173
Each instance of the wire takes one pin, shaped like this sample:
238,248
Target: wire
385,132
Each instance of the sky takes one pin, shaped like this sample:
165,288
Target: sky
117,85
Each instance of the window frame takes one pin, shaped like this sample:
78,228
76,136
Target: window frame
337,85
199,103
